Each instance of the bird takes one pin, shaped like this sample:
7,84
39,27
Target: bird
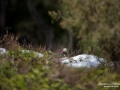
62,52
65,52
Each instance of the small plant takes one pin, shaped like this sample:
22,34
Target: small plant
24,71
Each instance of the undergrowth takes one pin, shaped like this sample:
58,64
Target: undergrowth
24,71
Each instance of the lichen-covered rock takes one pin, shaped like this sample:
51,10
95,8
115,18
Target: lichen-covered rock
3,51
83,60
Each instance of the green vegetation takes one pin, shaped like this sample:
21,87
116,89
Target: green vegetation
24,71
96,26
95,23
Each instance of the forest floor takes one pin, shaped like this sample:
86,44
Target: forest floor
40,69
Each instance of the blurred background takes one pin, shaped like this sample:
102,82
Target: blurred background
88,26
16,18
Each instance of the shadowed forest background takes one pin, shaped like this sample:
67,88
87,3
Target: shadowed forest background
17,18
88,26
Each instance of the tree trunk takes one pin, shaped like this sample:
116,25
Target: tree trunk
2,17
70,44
46,29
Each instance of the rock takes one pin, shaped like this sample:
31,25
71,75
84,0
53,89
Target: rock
37,54
3,51
83,60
